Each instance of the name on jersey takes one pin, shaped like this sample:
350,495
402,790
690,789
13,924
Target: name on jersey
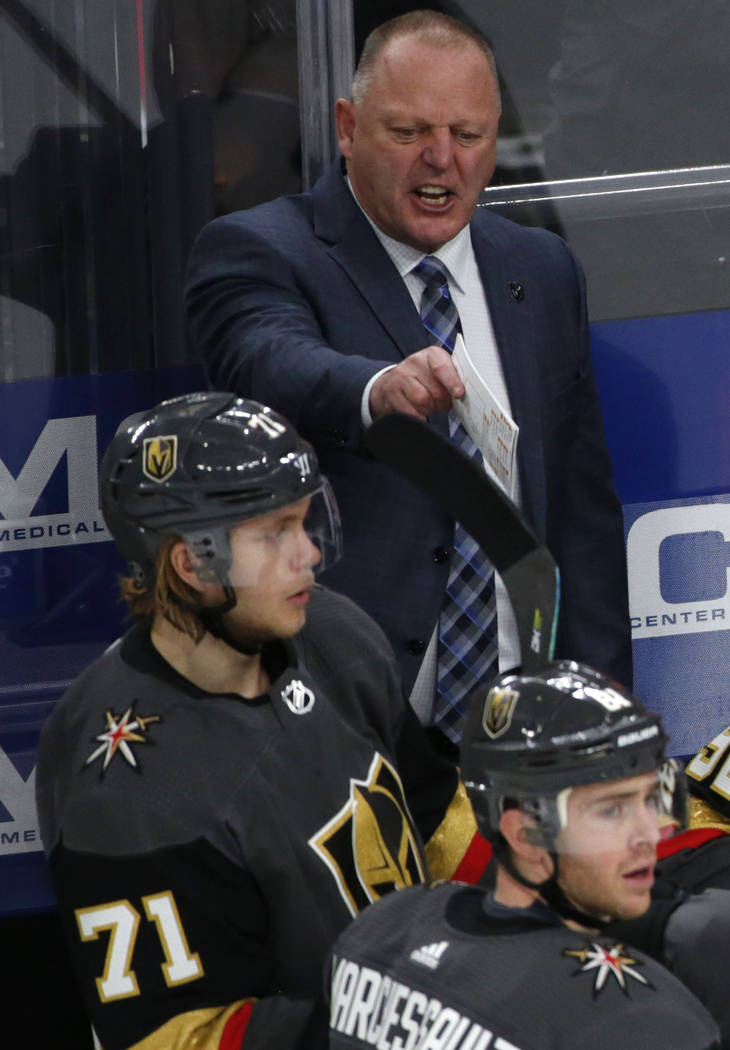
387,1014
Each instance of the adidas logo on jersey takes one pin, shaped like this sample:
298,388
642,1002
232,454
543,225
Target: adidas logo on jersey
430,954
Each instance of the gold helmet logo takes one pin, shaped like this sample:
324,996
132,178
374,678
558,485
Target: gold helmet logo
498,710
159,457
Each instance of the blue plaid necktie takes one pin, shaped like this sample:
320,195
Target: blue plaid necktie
467,631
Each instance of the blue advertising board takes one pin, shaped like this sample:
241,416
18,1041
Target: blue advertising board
58,568
665,391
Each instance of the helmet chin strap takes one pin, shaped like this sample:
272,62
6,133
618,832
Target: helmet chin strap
212,619
550,890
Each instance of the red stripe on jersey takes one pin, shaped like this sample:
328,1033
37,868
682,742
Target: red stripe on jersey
235,1028
687,840
474,862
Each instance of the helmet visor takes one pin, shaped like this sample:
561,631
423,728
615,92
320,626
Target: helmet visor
614,815
287,546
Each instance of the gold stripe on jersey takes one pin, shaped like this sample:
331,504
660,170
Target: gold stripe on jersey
703,815
194,1030
447,846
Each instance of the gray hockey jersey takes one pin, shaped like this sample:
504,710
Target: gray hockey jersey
431,969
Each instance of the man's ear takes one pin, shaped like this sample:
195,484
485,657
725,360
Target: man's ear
345,124
183,564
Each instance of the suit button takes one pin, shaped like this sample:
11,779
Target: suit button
335,434
440,555
416,646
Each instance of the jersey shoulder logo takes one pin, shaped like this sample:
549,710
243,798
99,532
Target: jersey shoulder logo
121,732
607,961
370,846
159,457
429,955
298,697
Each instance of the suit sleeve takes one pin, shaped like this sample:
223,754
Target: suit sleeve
252,309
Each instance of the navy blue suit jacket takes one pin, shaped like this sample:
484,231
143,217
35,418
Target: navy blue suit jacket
295,303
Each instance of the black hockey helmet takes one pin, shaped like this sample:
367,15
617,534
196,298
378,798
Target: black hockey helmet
195,465
528,738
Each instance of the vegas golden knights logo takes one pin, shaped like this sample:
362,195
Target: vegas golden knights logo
370,846
159,457
498,710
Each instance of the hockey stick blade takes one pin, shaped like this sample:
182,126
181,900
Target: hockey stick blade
466,492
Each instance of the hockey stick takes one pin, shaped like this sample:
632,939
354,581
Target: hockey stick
466,492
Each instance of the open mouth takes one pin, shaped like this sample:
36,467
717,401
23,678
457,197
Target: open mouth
643,876
300,597
435,196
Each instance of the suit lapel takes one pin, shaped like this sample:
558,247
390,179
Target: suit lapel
340,224
352,243
517,333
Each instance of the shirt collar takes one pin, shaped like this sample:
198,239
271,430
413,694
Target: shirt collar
454,254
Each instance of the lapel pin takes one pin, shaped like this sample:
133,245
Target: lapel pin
516,291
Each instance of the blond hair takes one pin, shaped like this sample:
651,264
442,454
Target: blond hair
171,597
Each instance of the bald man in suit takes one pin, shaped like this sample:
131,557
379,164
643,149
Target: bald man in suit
310,303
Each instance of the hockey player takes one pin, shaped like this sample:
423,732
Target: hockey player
567,775
237,776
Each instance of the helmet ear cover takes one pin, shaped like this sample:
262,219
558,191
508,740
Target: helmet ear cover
210,550
543,811
547,817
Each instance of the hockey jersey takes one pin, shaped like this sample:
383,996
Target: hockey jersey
433,967
207,849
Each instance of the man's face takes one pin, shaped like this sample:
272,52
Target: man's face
272,572
421,143
607,851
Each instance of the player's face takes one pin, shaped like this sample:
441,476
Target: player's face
607,850
421,143
272,571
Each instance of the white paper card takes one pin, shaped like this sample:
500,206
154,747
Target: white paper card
486,421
